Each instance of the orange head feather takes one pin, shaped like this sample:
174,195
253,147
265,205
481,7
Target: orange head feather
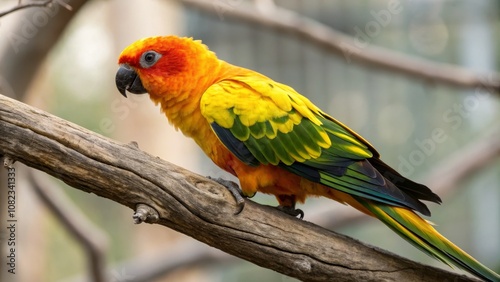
168,67
175,72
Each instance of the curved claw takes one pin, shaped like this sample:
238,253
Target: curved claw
234,189
291,211
241,205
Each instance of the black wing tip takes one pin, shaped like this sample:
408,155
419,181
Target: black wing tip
431,196
409,187
423,209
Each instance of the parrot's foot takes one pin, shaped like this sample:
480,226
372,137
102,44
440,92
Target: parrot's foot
235,191
291,211
287,205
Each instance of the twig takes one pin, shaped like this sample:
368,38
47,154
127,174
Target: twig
87,234
152,267
341,44
20,61
448,176
183,255
24,6
265,6
194,205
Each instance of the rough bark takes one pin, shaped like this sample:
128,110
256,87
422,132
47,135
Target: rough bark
194,205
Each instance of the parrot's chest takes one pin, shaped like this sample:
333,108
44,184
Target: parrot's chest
219,154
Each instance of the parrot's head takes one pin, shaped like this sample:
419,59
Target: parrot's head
164,67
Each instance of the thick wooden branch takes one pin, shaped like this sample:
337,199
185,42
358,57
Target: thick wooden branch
348,47
194,205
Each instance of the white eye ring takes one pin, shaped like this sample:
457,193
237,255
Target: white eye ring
149,58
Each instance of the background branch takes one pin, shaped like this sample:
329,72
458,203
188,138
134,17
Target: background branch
26,5
152,267
464,163
23,55
24,48
194,205
86,234
346,46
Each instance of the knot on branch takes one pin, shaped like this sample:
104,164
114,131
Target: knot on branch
145,213
133,145
303,266
8,162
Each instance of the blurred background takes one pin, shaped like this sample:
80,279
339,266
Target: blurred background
64,62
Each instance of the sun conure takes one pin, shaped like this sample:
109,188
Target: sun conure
276,141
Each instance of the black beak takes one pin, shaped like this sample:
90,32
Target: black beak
128,80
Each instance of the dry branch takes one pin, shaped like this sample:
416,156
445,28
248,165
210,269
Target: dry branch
92,239
466,162
25,6
23,53
194,205
320,34
152,267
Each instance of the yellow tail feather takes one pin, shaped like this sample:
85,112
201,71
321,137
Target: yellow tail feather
420,233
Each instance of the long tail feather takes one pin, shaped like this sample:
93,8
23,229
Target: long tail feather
422,235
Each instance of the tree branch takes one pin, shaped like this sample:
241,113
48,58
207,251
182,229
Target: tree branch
86,234
27,5
152,267
466,162
194,205
341,44
23,54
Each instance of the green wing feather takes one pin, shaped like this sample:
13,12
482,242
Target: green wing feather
278,126
274,112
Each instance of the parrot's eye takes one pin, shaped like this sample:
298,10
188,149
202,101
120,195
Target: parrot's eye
149,58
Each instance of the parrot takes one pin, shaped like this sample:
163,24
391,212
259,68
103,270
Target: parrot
276,141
